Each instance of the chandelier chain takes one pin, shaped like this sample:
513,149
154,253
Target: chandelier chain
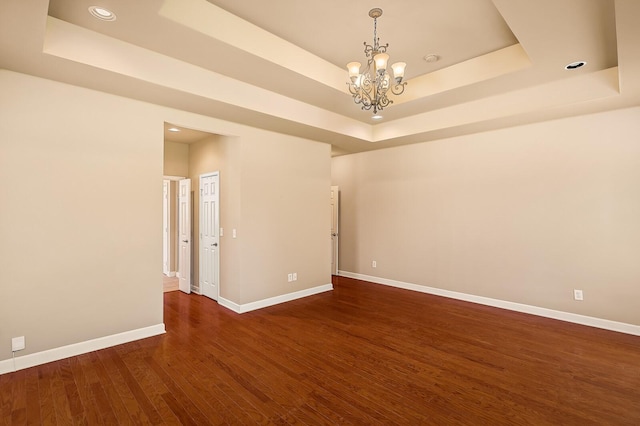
376,41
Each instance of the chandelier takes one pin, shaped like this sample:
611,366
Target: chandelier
370,87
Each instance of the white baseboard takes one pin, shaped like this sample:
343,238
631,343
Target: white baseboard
171,274
512,306
247,307
38,358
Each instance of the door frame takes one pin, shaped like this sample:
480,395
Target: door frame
166,221
173,245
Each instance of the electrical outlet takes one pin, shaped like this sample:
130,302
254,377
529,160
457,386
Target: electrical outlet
290,277
295,276
577,295
374,264
17,344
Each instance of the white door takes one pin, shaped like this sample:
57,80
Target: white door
335,208
165,227
209,234
184,230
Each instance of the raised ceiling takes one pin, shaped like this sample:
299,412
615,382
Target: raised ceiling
279,65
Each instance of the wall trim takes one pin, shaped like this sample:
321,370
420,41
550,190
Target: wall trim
56,354
171,274
512,306
252,306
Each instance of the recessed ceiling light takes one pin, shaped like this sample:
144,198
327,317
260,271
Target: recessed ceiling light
376,117
575,65
102,13
431,58
173,129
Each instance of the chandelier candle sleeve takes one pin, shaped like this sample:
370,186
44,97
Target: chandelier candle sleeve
354,70
369,87
381,62
398,71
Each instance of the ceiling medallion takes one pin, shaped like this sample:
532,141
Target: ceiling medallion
370,87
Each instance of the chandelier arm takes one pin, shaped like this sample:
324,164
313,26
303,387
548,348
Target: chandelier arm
368,50
384,102
398,89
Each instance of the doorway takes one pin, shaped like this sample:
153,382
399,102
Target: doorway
190,153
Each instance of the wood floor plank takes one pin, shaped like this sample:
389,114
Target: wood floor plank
61,406
45,397
5,398
361,354
33,399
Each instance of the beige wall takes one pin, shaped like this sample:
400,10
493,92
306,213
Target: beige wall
81,215
176,159
285,209
525,214
229,150
274,190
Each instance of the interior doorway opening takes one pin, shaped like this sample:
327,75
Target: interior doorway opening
170,276
188,154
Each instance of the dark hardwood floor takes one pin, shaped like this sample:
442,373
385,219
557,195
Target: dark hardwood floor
362,354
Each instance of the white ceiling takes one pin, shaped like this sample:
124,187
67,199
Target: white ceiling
279,65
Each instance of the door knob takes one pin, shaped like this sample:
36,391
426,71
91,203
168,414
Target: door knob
215,244
185,241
